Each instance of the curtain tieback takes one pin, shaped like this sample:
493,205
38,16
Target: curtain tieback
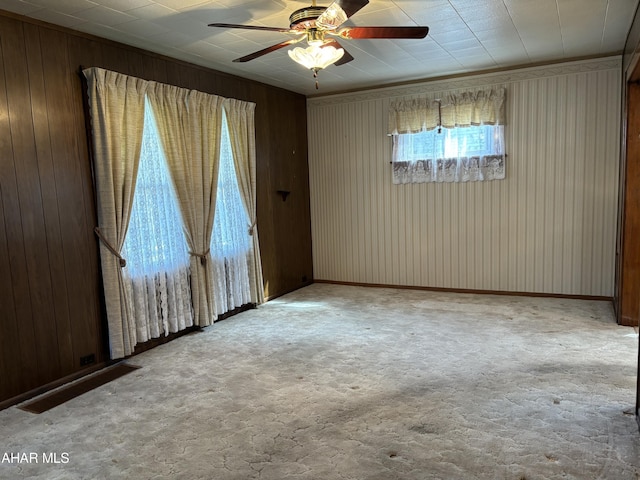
123,262
203,256
252,227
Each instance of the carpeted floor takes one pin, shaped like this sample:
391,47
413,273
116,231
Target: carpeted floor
333,382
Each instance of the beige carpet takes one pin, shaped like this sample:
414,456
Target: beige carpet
334,382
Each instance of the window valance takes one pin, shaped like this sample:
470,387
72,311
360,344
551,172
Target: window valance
481,107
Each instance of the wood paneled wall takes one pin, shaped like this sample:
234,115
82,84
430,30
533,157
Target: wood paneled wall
50,289
548,228
627,300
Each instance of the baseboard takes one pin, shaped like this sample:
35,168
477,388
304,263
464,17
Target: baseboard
628,321
156,342
466,290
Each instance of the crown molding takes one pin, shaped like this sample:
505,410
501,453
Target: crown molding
473,81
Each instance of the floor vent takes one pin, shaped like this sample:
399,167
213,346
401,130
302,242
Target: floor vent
75,389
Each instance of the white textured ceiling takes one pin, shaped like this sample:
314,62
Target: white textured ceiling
464,36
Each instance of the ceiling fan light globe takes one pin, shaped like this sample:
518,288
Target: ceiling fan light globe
315,57
332,17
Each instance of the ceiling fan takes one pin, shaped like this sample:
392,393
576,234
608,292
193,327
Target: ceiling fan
316,23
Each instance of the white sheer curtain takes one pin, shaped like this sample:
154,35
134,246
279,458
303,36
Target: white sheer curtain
449,155
457,138
157,275
231,245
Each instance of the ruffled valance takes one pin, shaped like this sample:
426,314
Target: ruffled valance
481,107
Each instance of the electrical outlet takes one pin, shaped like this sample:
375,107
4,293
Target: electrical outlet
88,359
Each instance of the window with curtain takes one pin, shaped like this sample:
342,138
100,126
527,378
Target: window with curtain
157,275
458,138
160,187
231,244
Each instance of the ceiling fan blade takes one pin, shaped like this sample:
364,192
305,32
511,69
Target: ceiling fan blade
252,27
383,32
351,6
338,12
346,58
270,49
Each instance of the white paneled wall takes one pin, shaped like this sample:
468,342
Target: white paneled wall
549,227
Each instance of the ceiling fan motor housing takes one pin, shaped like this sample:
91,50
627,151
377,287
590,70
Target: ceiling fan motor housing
305,17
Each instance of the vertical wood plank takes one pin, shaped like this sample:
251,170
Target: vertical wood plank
12,381
89,336
19,220
52,304
62,88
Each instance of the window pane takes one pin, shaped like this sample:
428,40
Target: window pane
230,228
231,244
155,241
449,155
157,276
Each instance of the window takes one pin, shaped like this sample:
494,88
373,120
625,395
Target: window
157,252
155,241
449,143
449,155
230,229
231,243
457,138
157,274
141,221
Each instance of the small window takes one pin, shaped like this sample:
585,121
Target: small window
458,137
449,155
